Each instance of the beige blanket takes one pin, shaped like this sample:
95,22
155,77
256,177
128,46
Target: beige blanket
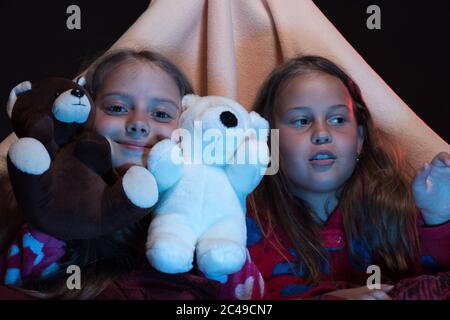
227,47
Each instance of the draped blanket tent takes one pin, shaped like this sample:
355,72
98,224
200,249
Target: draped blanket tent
227,47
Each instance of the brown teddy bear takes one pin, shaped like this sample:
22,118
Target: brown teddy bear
61,170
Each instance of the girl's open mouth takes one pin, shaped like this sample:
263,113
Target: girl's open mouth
325,162
323,158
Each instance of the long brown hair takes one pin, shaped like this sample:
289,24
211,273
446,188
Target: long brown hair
11,218
376,201
106,258
100,68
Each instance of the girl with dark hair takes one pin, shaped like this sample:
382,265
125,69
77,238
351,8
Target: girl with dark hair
342,199
138,99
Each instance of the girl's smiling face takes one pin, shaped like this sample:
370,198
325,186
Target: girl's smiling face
138,104
319,136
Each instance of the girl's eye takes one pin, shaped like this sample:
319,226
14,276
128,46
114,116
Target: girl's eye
301,122
116,109
162,116
337,120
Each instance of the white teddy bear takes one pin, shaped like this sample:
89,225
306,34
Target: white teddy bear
204,175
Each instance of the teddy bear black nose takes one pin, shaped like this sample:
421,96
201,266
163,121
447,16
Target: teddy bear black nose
77,93
228,119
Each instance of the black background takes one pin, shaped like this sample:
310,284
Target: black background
410,51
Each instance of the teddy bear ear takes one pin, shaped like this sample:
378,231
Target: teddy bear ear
81,81
260,125
20,88
189,100
257,121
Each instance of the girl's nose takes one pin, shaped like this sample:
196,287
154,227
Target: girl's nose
138,129
321,138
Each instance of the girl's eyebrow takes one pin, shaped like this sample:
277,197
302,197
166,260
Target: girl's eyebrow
337,106
123,96
155,100
306,108
129,99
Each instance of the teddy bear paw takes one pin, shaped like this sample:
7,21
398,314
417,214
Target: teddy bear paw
140,187
30,156
220,257
95,152
170,257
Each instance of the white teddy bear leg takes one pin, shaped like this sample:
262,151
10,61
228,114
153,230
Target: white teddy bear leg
222,249
30,156
140,187
217,258
171,244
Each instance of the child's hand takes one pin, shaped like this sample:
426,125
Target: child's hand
363,293
431,190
